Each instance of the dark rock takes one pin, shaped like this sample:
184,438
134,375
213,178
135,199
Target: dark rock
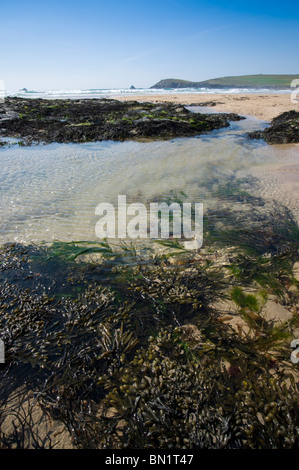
255,135
132,87
38,120
208,104
284,129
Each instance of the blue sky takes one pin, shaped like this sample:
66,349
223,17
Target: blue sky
117,43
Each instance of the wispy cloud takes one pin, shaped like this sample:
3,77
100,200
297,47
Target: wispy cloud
175,43
69,45
208,31
136,57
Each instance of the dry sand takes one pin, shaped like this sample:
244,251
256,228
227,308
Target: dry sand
262,106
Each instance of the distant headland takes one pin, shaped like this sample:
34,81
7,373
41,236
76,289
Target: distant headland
278,82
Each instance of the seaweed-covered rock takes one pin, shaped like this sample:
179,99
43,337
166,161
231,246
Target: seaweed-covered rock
38,120
284,129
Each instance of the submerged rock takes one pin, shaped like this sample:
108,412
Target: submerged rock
284,129
38,120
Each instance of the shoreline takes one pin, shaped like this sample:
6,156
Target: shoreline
262,106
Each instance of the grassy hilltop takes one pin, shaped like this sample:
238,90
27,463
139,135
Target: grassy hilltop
239,81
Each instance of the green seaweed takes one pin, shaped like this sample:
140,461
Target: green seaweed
245,300
71,250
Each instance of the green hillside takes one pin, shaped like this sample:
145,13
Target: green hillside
239,81
175,83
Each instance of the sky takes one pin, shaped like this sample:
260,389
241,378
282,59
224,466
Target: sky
118,43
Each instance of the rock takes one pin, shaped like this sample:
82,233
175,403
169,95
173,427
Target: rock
90,120
132,87
284,129
191,334
208,104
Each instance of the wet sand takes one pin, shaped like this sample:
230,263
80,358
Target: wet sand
280,180
262,106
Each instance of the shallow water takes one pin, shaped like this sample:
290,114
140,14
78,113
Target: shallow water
51,191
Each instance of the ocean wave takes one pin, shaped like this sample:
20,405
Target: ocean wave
114,92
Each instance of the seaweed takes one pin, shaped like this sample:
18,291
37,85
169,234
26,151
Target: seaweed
165,400
132,350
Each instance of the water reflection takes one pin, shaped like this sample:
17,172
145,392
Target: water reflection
51,191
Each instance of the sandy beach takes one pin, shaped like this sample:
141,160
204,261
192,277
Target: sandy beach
262,106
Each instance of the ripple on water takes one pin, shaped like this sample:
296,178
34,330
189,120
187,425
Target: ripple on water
51,191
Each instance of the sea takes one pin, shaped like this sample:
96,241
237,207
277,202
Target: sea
114,92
